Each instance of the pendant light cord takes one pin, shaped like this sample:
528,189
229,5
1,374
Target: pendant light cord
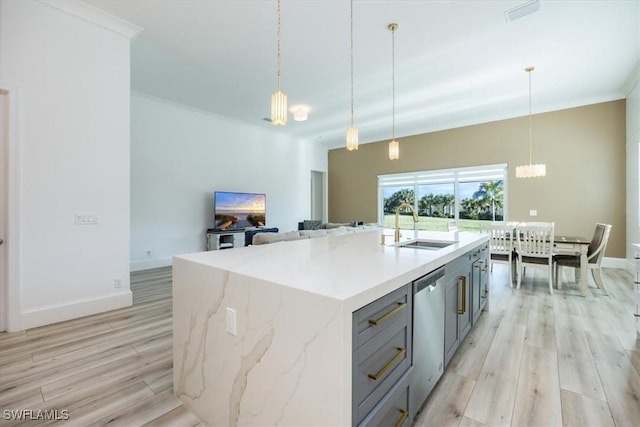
393,81
278,45
530,123
351,53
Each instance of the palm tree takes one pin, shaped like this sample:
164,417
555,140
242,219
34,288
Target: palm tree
472,207
490,193
404,195
426,204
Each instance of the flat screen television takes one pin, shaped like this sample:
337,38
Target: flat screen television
239,210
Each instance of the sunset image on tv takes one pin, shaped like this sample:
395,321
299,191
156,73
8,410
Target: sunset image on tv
239,210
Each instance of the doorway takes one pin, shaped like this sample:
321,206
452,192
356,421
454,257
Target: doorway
4,127
317,195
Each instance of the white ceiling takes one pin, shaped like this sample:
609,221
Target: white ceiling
457,62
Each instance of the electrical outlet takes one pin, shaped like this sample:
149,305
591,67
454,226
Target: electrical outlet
117,283
231,321
533,212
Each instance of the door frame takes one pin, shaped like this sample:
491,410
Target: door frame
13,319
321,176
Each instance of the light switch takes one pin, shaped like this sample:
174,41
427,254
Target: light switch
86,218
231,321
533,212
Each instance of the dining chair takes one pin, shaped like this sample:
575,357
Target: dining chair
501,245
535,248
595,253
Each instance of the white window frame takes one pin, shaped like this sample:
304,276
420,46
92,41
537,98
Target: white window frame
454,175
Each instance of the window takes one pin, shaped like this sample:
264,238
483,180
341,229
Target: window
467,195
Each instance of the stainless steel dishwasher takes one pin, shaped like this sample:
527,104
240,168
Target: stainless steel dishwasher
428,336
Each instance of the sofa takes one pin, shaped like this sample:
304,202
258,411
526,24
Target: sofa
249,233
330,230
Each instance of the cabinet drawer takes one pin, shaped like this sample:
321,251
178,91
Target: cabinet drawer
378,365
393,410
378,315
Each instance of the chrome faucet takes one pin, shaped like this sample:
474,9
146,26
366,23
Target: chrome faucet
396,235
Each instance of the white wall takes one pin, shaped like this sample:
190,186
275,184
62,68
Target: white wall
180,156
633,159
70,80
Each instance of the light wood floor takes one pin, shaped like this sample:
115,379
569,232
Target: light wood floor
545,360
113,368
534,360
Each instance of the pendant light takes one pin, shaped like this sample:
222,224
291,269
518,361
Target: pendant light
531,170
279,98
394,146
352,131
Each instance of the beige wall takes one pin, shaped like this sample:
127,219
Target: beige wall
583,148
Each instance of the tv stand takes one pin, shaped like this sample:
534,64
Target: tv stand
224,239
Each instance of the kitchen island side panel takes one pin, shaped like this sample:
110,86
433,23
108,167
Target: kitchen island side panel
288,365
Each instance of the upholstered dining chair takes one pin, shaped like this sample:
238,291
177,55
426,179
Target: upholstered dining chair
535,248
501,245
595,253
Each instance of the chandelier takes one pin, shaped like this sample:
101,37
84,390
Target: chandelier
530,170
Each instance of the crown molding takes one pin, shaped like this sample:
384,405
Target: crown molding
632,80
95,16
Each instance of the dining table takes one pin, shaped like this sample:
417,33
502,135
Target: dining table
567,245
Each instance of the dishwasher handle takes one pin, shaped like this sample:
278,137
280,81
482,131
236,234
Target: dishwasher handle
428,281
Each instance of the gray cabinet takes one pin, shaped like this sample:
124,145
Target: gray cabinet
382,340
457,320
479,281
465,297
393,408
382,358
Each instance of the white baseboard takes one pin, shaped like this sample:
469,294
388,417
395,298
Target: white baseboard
149,263
59,313
614,262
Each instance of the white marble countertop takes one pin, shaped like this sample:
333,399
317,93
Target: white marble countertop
353,268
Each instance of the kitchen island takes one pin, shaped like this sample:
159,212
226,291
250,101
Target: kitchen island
263,335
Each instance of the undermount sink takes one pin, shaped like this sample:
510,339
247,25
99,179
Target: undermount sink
430,245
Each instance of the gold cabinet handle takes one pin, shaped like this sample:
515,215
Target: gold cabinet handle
387,316
463,310
403,416
389,364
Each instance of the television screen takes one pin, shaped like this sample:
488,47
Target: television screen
239,210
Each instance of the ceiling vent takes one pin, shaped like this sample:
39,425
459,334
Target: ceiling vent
532,6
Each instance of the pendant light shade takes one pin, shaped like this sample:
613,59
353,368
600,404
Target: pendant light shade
352,138
352,131
278,98
279,108
531,170
394,146
394,150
